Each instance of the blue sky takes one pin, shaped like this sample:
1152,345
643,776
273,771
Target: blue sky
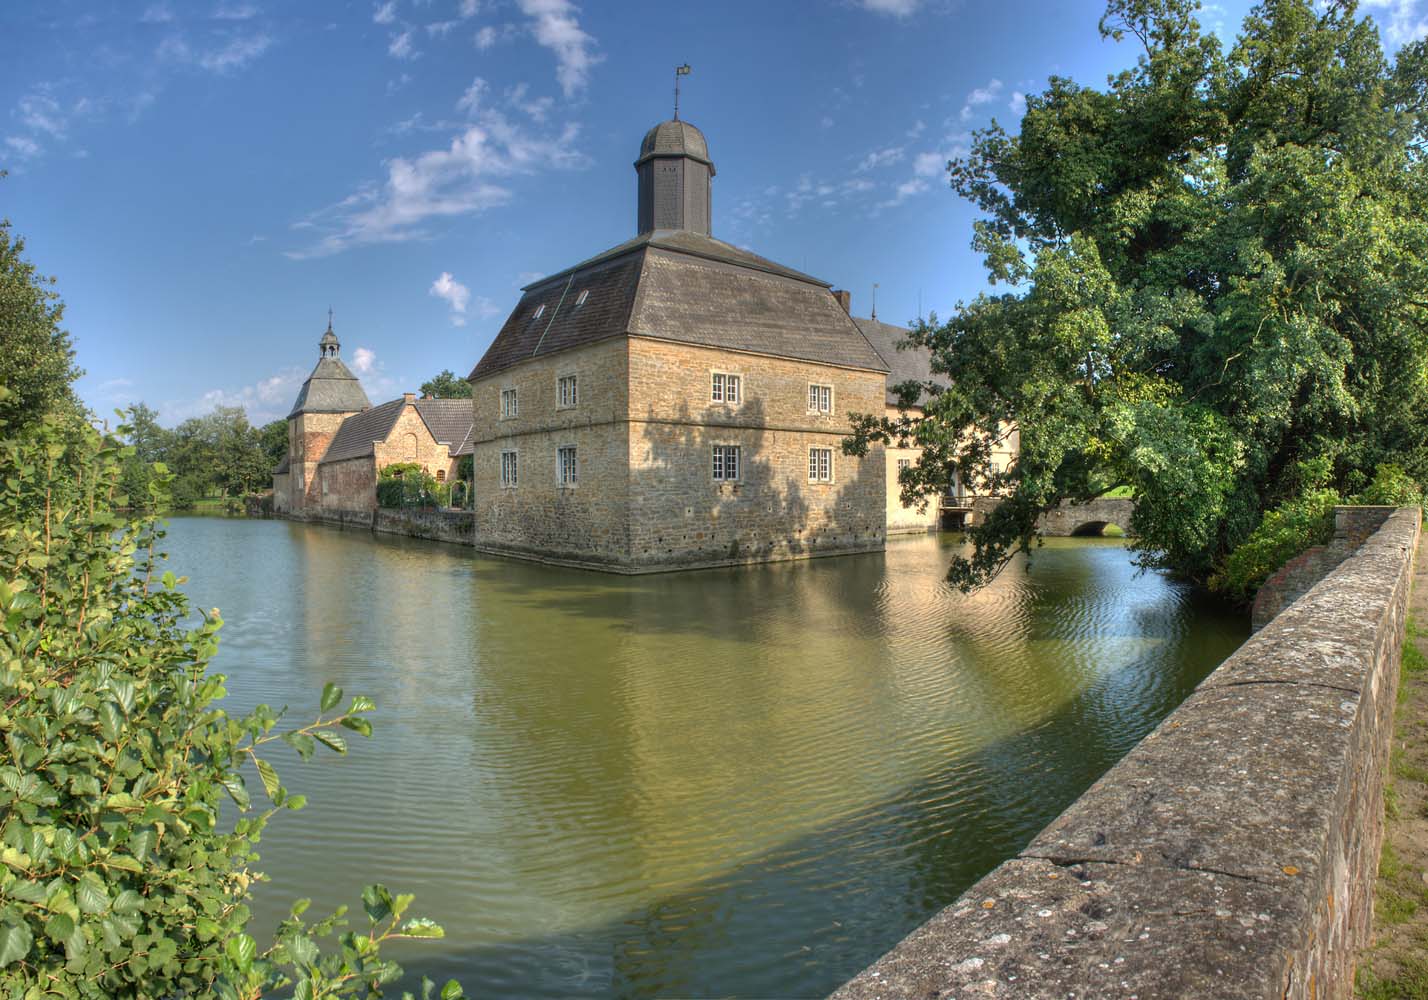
206,177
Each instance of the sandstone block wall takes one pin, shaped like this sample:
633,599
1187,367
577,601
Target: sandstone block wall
1352,525
680,516
1231,854
584,524
410,440
309,435
347,485
455,526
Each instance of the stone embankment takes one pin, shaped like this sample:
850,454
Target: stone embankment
456,526
1231,854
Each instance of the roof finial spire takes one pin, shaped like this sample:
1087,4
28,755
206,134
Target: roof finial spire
875,300
329,318
678,72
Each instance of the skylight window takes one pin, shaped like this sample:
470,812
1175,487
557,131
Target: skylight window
539,309
580,300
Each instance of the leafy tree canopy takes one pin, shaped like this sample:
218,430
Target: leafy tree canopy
36,359
1214,274
446,386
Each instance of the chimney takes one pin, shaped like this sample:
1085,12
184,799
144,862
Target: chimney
409,397
845,299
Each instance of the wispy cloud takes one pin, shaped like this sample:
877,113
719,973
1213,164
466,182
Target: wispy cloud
1400,21
364,361
401,46
232,53
265,400
22,145
440,29
385,13
1018,103
469,8
454,294
157,14
486,37
895,8
463,178
555,27
881,158
235,12
980,96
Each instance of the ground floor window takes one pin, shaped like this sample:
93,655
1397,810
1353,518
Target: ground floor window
441,475
726,462
565,463
820,465
508,468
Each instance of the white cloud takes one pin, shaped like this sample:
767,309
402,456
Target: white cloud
917,129
905,190
470,7
385,13
826,122
22,146
555,27
235,12
881,158
980,96
238,52
401,46
460,179
42,113
1018,103
1401,21
441,28
536,107
470,101
454,294
896,8
485,38
265,400
364,361
395,85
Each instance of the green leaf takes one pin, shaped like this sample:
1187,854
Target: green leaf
59,927
237,790
301,742
332,740
377,901
241,949
302,949
421,927
15,941
331,695
452,991
270,778
361,703
128,901
89,892
358,725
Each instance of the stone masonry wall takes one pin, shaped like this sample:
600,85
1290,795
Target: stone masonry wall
588,523
309,435
455,526
347,485
410,440
1352,525
679,516
1231,854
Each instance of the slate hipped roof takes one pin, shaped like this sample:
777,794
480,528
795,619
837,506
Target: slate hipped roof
905,364
331,388
682,286
449,421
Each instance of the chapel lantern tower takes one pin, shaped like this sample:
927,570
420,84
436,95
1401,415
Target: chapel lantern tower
674,170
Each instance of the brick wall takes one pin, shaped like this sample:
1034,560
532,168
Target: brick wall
309,435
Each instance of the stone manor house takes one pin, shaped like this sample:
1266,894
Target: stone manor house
673,402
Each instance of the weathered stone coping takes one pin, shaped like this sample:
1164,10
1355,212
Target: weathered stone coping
1231,854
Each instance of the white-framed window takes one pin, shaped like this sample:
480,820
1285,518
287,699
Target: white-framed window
580,299
566,467
566,392
725,387
903,463
820,465
820,398
726,463
510,406
508,469
540,311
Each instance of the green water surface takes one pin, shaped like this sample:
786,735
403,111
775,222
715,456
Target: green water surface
746,782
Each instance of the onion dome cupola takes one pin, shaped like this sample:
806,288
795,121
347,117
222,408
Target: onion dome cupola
674,171
331,388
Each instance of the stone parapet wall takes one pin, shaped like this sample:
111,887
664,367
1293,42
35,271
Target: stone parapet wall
1231,854
456,526
1352,526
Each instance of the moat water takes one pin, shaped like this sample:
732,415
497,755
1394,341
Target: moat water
742,783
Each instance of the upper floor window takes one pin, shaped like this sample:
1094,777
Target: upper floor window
508,468
566,466
726,462
566,392
820,399
509,405
820,465
724,388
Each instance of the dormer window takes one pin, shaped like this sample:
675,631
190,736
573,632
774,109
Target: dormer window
580,299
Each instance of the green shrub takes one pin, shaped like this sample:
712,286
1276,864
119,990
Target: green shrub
120,876
407,484
1285,531
1391,487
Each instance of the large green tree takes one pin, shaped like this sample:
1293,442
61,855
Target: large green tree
1213,273
36,359
446,386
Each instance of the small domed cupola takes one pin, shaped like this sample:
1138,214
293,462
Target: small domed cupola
674,171
328,346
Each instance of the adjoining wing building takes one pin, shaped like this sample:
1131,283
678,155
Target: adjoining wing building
676,401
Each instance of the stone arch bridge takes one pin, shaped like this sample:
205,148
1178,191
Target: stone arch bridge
1066,520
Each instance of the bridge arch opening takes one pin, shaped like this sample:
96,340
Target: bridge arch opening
1098,529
